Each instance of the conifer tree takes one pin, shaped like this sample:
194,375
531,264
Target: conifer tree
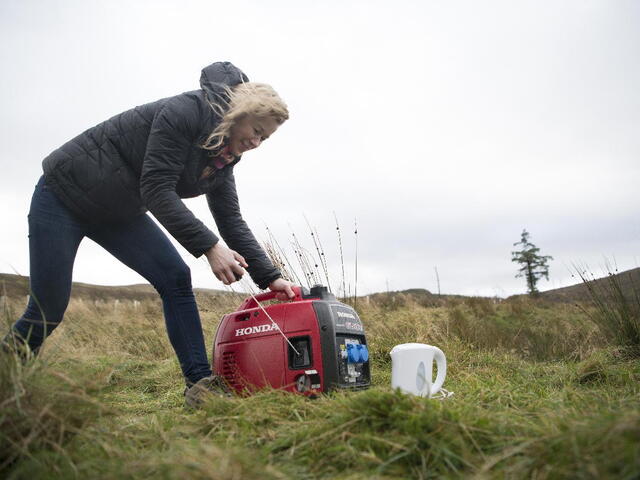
533,266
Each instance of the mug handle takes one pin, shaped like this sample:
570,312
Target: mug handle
441,363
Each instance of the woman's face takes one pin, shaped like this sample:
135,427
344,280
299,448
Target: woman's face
249,132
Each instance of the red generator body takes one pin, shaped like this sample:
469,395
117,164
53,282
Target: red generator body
250,351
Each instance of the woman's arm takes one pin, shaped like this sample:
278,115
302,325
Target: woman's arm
225,207
173,130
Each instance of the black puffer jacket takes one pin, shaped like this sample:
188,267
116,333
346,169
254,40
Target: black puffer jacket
150,157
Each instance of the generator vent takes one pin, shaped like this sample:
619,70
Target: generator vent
230,370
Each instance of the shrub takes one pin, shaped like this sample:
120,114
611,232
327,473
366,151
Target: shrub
616,308
40,408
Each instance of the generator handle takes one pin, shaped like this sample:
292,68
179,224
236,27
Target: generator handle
252,302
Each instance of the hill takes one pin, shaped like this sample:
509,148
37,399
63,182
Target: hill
628,281
18,286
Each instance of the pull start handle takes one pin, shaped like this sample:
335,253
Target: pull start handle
266,296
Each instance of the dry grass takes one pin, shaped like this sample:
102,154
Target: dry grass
537,395
616,308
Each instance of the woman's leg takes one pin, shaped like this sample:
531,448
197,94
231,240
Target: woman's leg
142,246
54,236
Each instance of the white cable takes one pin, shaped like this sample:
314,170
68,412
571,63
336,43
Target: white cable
443,394
249,288
274,323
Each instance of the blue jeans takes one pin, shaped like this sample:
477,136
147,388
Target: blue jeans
54,236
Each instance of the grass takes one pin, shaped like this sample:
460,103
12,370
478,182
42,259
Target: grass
616,302
538,394
41,409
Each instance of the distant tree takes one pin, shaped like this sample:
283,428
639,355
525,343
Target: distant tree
533,265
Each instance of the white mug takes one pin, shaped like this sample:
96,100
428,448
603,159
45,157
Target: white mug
411,368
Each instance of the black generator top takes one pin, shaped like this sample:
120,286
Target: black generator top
318,291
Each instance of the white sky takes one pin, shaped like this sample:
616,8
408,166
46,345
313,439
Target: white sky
444,128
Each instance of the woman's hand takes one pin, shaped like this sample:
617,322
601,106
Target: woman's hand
283,289
226,264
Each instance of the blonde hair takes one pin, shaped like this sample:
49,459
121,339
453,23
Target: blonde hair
248,98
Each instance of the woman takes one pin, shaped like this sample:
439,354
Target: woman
101,183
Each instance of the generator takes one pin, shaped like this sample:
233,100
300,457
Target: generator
311,344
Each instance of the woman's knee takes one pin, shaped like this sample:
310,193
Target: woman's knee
183,278
176,280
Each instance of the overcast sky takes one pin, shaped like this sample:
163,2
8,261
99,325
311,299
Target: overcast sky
444,128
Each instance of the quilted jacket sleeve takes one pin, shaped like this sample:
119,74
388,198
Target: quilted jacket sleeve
224,205
173,131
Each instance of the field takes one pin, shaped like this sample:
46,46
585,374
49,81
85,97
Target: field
539,393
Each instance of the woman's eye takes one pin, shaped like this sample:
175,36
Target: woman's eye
258,133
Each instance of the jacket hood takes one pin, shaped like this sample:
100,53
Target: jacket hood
217,76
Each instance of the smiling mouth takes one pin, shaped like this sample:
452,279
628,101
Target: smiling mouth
224,158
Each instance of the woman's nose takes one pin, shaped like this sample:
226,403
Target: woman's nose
255,141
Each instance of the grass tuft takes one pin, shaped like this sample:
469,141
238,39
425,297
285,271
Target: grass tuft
41,409
616,308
